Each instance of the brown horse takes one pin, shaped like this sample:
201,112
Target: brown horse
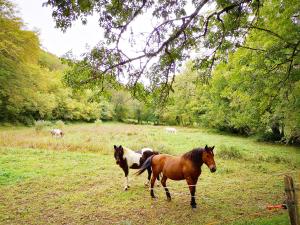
187,166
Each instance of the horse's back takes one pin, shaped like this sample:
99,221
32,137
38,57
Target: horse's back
171,130
57,132
170,166
146,150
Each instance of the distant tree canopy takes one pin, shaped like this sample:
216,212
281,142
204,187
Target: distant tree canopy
31,85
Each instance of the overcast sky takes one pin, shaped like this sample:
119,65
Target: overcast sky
52,39
78,37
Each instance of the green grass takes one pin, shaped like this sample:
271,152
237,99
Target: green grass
75,180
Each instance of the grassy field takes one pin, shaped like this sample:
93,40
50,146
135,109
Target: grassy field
74,180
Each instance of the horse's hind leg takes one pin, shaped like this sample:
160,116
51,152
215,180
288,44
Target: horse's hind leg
158,176
163,182
152,185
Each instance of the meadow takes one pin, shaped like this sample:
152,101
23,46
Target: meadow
75,180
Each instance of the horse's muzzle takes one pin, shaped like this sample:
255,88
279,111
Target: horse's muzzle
213,169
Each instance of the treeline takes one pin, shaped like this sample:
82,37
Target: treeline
33,83
31,86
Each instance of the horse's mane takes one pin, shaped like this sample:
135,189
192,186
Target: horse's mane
194,155
127,149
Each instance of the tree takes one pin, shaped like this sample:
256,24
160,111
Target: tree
257,89
31,85
18,49
216,25
119,102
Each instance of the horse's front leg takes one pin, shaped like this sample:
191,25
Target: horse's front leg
163,182
149,176
126,172
192,186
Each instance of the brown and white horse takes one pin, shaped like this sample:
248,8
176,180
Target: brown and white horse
57,133
127,158
187,166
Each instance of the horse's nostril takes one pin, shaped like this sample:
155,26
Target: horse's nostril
213,169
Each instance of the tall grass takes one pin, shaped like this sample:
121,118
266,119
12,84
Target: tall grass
78,177
230,153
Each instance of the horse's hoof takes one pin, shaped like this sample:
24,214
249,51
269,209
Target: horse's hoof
157,185
169,199
194,206
126,188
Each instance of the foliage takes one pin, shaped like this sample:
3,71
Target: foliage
248,85
255,90
98,122
176,28
31,85
59,124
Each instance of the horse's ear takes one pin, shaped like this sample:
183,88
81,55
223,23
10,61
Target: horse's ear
115,147
206,147
120,147
212,148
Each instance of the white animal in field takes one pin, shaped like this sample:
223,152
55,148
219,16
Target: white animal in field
57,133
171,130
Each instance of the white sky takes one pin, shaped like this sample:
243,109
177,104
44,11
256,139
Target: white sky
78,37
52,39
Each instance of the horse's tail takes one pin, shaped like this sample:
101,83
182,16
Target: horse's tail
145,165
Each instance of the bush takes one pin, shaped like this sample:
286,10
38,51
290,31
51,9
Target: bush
131,121
98,122
229,153
41,124
59,124
267,136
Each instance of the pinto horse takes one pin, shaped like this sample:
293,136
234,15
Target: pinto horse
57,133
187,166
127,158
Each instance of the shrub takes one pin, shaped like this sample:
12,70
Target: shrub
41,124
267,136
131,121
59,124
98,122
